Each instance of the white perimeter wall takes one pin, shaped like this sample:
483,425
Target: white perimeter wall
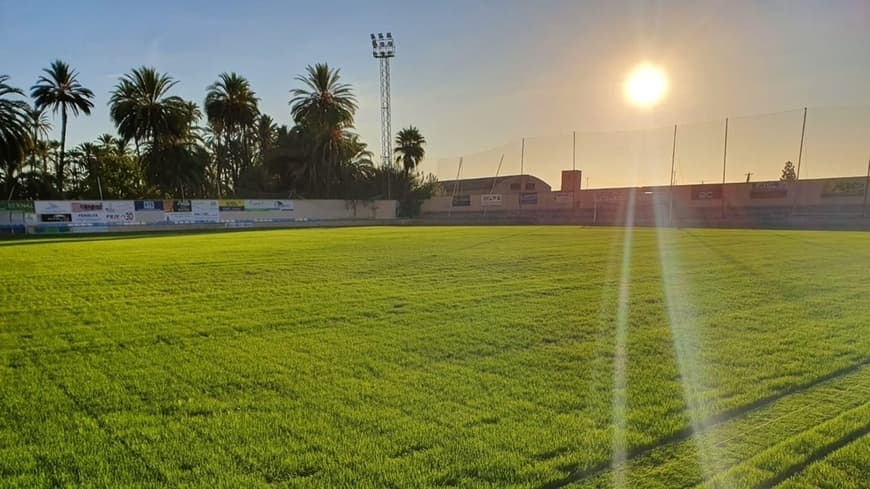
314,210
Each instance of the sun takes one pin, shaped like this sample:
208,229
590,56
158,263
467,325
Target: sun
646,85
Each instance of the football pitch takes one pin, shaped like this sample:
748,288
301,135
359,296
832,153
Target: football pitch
534,357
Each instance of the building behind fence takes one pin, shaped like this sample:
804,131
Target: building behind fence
821,142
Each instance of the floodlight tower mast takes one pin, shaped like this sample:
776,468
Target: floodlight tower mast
384,48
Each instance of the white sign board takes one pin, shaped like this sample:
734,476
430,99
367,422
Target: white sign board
120,211
490,200
269,205
52,207
205,210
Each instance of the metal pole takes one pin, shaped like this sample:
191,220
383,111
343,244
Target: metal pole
455,187
866,187
497,171
724,165
801,151
522,174
494,179
574,153
671,188
574,169
522,161
594,208
795,186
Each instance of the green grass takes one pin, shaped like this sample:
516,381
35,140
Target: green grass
423,357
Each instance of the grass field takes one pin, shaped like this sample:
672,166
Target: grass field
421,357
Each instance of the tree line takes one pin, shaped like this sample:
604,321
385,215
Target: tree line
166,146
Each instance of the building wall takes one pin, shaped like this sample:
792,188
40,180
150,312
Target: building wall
807,194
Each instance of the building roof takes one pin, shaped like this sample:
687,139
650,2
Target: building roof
484,183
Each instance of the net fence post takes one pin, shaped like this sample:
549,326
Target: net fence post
796,183
455,187
671,185
724,165
522,176
866,187
574,170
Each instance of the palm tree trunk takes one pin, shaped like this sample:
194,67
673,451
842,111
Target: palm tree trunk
62,148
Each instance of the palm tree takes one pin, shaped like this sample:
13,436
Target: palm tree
323,110
14,122
324,101
14,129
60,89
266,132
231,109
41,125
409,148
40,130
143,110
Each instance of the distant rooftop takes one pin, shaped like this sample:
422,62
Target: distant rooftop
484,183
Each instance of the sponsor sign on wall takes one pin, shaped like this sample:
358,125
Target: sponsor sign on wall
88,212
528,198
768,190
16,205
490,200
461,201
55,217
269,205
119,211
177,206
52,207
148,205
706,192
231,205
843,188
178,211
205,210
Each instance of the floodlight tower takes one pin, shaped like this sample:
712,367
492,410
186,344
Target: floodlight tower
384,48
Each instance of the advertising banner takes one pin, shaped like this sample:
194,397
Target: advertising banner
461,201
52,207
843,188
205,210
268,205
120,211
490,200
177,206
178,211
528,198
231,205
706,192
768,190
17,205
87,212
55,218
148,205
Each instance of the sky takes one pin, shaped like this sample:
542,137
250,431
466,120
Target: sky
475,75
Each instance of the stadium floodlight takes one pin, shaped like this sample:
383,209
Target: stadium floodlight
384,48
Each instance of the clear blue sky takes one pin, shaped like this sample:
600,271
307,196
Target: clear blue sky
471,74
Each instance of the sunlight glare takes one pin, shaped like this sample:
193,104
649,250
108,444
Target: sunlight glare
646,85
